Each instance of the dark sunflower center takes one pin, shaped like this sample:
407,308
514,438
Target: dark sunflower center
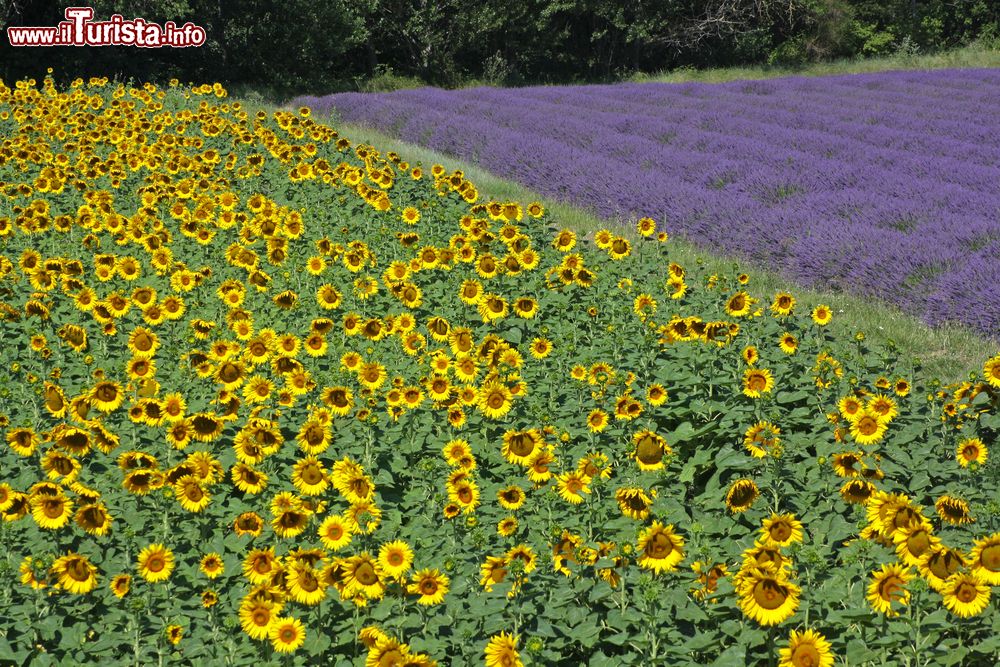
805,655
365,574
989,558
867,426
769,594
780,531
308,582
659,546
918,542
53,508
890,588
648,450
78,570
311,475
966,592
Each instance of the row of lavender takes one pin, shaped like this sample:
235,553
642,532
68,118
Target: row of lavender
885,184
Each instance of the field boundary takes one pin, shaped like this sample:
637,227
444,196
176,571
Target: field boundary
949,352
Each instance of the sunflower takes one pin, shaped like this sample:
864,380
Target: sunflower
309,476
492,307
465,494
335,533
781,530
739,304
286,634
965,594
248,479
757,382
120,585
290,522
765,555
971,450
94,519
888,585
857,491
257,617
511,497
783,304
788,343
501,651
573,486
143,343
806,649
848,464
767,597
305,586
18,507
984,560
507,526
395,558
456,452
429,585
190,493
741,495
23,441
362,575
822,315
520,446
597,420
650,450
75,573
211,565
634,503
939,563
953,510
661,549
55,400
540,348
260,565
51,511
762,439
352,482
991,371
156,562
107,396
913,541
867,427
248,523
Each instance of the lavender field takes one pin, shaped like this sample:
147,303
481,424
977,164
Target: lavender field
881,184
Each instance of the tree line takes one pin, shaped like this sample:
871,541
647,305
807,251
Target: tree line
288,47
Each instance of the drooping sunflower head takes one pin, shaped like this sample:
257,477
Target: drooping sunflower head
741,495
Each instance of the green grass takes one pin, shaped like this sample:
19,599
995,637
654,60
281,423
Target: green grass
978,54
948,352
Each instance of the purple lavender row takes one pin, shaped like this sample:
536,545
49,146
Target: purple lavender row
885,185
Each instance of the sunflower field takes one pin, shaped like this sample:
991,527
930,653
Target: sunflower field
271,397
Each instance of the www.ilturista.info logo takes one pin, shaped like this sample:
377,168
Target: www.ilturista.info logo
79,30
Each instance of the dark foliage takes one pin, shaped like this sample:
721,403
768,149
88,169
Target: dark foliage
284,47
